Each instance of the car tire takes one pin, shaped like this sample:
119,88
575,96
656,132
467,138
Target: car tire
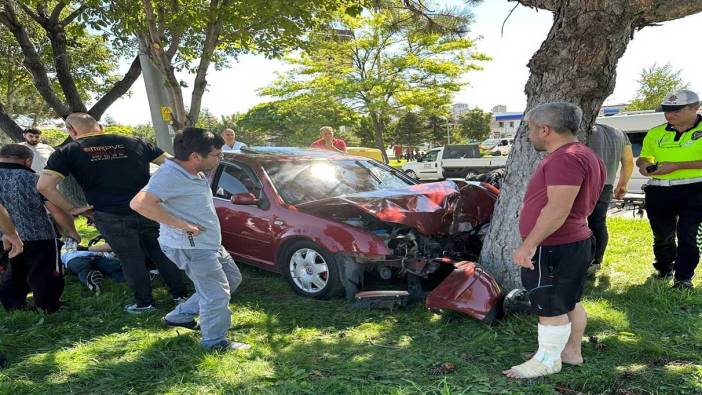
411,174
315,276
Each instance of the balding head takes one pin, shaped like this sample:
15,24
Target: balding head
229,136
81,123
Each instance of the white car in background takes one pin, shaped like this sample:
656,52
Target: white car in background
452,161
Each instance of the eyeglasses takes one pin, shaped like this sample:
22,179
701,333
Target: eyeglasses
220,155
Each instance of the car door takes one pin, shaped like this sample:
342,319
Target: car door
246,229
430,168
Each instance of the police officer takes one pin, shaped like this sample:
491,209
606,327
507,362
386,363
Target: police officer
672,157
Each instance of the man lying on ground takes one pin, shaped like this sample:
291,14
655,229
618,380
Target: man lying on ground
92,264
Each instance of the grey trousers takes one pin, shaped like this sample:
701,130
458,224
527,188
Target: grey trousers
216,277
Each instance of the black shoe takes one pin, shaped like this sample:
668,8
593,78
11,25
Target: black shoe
516,301
682,284
94,281
192,325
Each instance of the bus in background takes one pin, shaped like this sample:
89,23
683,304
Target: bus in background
635,124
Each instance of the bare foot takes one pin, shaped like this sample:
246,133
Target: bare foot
530,369
572,358
566,358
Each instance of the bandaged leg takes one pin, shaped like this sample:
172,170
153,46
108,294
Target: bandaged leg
547,360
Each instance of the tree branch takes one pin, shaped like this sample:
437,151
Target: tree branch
212,33
62,63
9,126
56,13
32,60
117,90
38,18
668,10
550,5
73,15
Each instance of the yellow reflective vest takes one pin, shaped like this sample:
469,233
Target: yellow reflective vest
660,145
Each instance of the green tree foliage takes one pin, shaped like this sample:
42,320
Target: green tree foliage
93,62
475,124
656,82
365,132
436,129
54,137
192,35
296,121
410,130
54,61
384,62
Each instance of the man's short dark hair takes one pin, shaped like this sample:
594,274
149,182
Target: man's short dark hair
32,131
190,140
16,151
560,116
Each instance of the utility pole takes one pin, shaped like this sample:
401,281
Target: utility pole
158,101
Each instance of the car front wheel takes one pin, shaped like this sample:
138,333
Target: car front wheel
411,174
311,271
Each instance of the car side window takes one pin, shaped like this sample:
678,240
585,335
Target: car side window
233,180
430,156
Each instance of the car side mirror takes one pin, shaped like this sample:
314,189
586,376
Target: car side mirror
245,199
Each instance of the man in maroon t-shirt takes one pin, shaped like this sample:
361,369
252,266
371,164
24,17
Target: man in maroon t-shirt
327,141
557,246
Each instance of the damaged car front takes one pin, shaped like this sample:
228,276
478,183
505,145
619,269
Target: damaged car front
432,232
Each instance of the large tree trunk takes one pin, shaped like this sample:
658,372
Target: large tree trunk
576,63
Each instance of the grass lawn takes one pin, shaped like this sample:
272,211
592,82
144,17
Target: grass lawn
643,338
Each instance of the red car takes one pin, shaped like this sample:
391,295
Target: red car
327,220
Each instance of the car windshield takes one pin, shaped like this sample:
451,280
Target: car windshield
304,181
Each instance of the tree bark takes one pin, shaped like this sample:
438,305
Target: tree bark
378,129
576,63
212,33
32,61
62,63
9,126
162,60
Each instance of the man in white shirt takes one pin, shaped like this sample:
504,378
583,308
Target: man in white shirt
41,151
230,143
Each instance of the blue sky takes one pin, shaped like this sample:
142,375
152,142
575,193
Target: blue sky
501,82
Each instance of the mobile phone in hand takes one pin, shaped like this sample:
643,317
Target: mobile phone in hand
652,167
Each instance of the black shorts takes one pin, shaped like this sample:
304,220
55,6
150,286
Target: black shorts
556,283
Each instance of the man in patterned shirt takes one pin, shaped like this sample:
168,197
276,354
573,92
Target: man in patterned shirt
37,269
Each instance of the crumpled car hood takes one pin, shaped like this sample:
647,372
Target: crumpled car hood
439,208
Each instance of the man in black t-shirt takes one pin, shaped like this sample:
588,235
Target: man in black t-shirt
111,169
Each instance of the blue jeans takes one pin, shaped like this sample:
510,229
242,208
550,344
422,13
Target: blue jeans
108,266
